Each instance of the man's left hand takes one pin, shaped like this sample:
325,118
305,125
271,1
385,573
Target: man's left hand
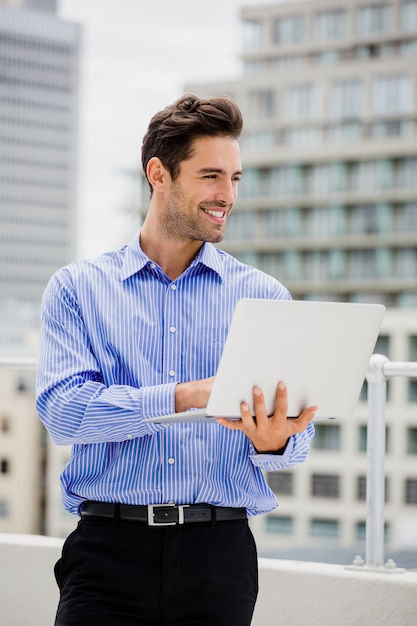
269,434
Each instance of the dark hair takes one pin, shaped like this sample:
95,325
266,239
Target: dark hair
171,132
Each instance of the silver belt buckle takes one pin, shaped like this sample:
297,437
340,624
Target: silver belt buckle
151,514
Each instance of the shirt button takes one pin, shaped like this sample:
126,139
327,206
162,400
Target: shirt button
171,372
172,329
173,286
129,436
153,265
171,461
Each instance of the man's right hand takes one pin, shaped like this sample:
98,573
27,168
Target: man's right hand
193,395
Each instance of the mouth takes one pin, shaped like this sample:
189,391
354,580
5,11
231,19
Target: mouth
217,215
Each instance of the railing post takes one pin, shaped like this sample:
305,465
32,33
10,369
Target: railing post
375,483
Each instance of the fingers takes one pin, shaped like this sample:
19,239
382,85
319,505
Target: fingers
281,404
278,424
246,422
306,417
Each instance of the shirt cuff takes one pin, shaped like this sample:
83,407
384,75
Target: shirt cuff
156,401
272,462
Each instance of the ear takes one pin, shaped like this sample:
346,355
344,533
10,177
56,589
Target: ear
157,175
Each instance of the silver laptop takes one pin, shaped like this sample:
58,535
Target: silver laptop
321,351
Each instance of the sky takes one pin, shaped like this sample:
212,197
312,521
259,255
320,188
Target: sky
137,56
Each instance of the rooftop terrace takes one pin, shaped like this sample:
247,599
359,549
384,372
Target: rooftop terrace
294,593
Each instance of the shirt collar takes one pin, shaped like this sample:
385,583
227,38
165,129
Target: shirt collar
136,260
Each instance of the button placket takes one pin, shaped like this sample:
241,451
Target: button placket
171,334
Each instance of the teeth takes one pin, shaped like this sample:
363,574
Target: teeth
215,213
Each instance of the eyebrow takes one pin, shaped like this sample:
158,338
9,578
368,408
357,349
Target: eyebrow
217,170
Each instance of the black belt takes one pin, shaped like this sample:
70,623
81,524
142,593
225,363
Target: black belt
162,514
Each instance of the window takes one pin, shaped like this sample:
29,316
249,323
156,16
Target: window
4,466
292,265
361,488
361,531
375,19
346,100
362,264
391,128
4,424
325,485
262,104
391,95
281,223
371,175
330,25
363,439
324,528
242,225
412,390
316,266
281,482
327,437
303,136
411,491
252,36
409,15
279,525
412,348
288,30
370,218
303,102
412,440
4,508
412,356
405,173
272,263
324,221
406,263
255,141
405,220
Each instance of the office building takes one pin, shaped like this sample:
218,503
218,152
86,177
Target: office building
328,205
39,83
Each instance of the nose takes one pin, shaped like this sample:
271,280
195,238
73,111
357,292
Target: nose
227,191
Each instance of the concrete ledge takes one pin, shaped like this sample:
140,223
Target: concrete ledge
293,593
29,595
296,593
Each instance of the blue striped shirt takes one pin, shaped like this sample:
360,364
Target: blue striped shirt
117,336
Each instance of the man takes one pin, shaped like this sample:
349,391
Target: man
138,333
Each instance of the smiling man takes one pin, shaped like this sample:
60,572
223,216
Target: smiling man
163,536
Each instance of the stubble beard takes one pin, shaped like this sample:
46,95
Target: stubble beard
183,220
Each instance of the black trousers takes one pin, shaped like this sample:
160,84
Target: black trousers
117,573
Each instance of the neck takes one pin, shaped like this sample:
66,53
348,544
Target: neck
172,256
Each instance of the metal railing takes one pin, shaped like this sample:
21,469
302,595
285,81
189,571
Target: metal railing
380,369
17,362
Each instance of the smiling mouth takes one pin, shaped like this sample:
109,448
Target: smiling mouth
218,214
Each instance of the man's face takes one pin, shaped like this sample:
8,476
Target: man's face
201,198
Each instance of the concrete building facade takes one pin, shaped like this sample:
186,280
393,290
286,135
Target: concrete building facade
328,205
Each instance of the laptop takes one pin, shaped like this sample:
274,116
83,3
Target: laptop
321,350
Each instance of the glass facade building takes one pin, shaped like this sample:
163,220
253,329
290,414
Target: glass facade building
39,83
